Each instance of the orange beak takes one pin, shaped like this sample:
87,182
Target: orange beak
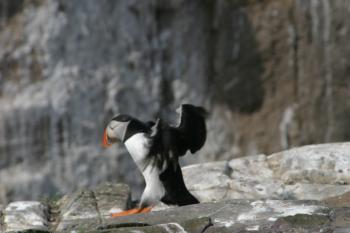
105,142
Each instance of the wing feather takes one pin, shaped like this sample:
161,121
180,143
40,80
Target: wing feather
192,126
169,142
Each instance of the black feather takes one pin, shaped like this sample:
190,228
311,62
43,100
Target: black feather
176,192
169,143
192,126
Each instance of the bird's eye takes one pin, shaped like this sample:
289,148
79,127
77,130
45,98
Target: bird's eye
113,124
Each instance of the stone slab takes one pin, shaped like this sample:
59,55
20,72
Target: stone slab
112,198
234,214
26,215
77,206
313,172
92,207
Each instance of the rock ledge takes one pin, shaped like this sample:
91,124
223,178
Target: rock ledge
252,194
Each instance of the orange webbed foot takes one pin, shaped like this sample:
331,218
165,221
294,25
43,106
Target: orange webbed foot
146,210
132,211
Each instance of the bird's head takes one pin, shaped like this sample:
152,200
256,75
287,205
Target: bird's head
116,129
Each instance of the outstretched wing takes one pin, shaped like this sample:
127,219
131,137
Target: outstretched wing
169,143
192,127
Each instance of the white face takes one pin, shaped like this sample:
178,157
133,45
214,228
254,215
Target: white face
116,130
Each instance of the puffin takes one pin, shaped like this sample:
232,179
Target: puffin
156,147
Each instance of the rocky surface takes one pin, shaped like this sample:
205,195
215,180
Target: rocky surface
224,216
299,190
272,73
96,205
25,215
306,173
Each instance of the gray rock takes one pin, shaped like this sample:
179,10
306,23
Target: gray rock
2,227
112,198
319,164
81,212
95,205
26,215
341,217
229,216
338,201
209,181
306,173
80,205
194,225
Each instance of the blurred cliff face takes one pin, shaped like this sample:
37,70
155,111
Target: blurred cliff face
273,74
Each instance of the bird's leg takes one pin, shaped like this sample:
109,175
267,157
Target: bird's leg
146,209
132,211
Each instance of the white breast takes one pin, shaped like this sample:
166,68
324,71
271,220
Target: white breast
138,147
154,189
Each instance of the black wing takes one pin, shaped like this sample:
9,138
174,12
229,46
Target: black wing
171,142
168,143
192,127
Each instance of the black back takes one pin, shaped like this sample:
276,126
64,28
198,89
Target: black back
135,126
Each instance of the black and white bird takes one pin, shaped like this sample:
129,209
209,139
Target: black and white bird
156,147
